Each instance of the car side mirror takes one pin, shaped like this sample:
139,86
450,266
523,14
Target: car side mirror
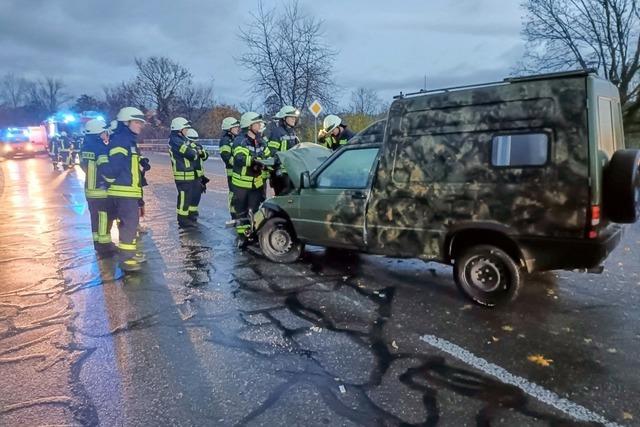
305,180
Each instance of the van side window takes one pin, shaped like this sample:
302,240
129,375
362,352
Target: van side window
518,150
606,140
350,170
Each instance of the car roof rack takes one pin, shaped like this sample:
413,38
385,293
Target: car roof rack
546,76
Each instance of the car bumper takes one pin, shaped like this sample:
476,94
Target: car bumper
569,254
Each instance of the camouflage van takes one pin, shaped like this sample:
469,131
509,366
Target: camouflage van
501,179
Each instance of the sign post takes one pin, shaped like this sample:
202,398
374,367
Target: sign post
315,109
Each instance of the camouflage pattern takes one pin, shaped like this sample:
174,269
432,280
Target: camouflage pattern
434,173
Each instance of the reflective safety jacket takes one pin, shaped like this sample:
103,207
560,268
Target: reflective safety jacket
93,157
226,151
183,157
198,164
122,172
248,173
281,137
333,143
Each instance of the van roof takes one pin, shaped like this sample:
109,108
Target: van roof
506,81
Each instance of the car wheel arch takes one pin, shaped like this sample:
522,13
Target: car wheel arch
459,240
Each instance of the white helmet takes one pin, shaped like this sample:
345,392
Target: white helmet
229,122
113,126
63,133
331,122
288,111
192,135
249,118
180,123
95,127
127,114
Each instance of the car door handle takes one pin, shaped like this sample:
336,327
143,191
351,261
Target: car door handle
359,195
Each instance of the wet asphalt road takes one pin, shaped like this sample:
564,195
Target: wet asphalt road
208,335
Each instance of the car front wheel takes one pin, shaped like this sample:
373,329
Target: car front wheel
487,275
278,241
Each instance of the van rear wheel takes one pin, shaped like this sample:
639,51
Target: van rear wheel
279,242
487,275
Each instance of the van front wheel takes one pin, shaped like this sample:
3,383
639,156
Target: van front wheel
278,241
487,275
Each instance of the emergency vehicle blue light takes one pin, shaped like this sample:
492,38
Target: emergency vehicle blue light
68,118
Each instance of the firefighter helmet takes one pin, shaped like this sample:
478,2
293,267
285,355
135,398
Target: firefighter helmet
127,114
229,122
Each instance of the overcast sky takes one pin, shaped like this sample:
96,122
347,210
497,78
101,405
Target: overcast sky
385,45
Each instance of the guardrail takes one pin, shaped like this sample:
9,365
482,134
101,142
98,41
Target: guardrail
162,145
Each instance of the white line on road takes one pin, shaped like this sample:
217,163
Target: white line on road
570,408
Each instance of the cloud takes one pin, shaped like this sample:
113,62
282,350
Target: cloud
389,48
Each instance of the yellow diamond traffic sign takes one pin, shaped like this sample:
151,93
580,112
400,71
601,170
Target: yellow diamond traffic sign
315,108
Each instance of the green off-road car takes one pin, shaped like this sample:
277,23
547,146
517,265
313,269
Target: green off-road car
499,180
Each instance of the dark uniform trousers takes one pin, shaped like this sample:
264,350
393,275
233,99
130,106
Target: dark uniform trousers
126,209
246,200
102,219
185,196
196,195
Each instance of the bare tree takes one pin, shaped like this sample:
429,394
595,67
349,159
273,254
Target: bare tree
121,95
365,101
599,34
14,90
194,101
48,95
159,81
287,56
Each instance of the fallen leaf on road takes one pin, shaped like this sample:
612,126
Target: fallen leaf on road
627,416
394,345
588,340
466,307
540,360
495,339
612,350
507,328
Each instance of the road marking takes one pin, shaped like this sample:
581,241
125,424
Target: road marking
570,408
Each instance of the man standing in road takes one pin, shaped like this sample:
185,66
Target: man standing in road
200,183
231,129
183,157
93,157
282,137
247,178
123,174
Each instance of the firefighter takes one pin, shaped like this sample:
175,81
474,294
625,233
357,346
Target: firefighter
201,181
334,133
65,150
247,178
282,137
231,129
94,155
123,173
183,158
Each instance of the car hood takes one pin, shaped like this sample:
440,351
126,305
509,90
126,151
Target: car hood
305,156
